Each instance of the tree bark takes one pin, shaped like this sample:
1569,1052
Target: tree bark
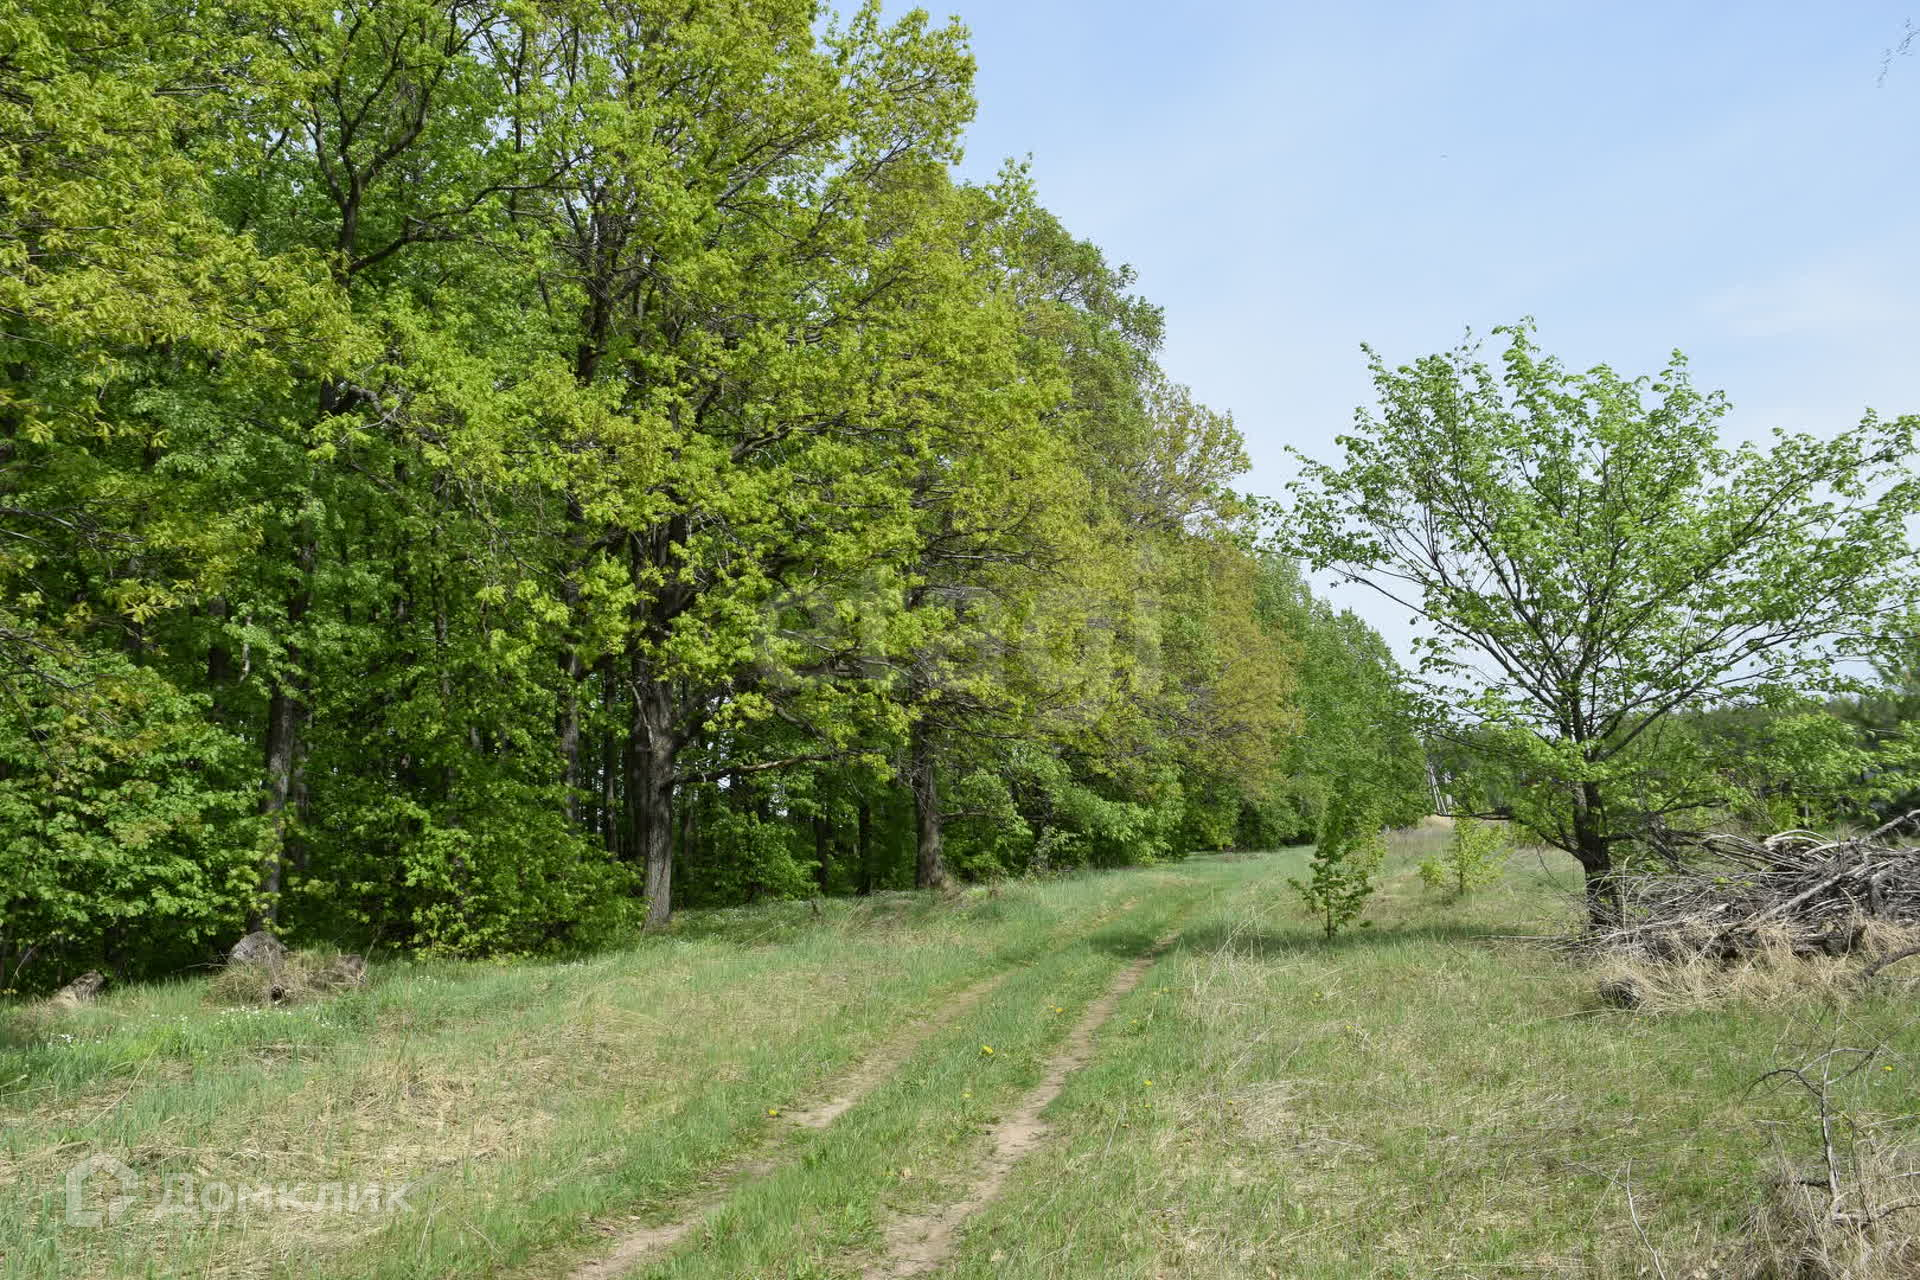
651,752
1594,851
572,671
282,742
822,850
864,848
286,714
929,866
609,789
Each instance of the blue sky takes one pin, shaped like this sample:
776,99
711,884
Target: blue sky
1291,180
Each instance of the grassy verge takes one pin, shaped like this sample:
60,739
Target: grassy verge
516,1100
1427,1097
1422,1099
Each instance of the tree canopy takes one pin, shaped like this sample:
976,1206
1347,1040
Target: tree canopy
1592,563
476,476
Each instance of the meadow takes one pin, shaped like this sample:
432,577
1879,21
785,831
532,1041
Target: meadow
1155,1072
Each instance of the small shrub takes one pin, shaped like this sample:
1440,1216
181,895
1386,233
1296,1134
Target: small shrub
1475,857
1350,850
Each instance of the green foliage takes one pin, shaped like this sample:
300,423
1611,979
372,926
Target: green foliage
128,830
470,475
1475,856
1355,722
1593,562
1886,716
744,857
1345,859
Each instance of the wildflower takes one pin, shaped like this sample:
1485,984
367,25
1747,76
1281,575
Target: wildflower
1149,1084
773,1111
986,1050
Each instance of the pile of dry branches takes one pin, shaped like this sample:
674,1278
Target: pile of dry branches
1725,896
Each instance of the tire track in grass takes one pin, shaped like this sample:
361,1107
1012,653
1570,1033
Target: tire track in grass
635,1246
918,1244
632,1248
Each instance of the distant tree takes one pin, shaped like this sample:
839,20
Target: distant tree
1357,733
1887,718
1591,562
1475,856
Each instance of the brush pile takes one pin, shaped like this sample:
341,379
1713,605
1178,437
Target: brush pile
1726,896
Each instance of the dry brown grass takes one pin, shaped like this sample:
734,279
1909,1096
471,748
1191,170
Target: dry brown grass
1870,1230
1776,967
312,974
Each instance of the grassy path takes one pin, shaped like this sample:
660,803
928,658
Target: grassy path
1012,1084
918,1244
639,1244
905,1145
520,1104
1424,1099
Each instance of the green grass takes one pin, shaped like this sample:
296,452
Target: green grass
1425,1097
1420,1099
519,1099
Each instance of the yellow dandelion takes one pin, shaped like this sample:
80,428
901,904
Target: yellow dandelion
773,1111
987,1049
1149,1084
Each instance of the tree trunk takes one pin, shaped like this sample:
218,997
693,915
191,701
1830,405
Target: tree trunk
688,817
610,760
1594,851
287,713
929,866
572,670
651,751
864,848
282,742
822,849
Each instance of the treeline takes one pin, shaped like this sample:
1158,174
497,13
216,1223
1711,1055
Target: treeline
1807,763
473,474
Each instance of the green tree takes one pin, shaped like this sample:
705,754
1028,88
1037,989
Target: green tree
1475,856
1591,561
1887,717
454,456
1356,727
1349,851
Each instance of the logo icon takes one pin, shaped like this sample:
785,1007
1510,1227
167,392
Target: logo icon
77,1177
